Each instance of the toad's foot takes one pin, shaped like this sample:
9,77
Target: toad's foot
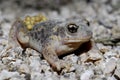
65,66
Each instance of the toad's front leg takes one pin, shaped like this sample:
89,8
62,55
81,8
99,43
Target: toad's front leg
50,55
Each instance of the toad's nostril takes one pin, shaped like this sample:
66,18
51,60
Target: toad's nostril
89,34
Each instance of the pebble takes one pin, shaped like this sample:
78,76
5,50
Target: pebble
112,78
36,76
35,63
95,55
23,68
110,54
4,74
110,66
68,76
83,57
117,71
87,75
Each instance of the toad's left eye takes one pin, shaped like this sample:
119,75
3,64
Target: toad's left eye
72,28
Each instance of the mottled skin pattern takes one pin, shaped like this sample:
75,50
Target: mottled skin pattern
52,38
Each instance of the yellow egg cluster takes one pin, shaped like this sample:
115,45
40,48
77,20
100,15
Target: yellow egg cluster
30,21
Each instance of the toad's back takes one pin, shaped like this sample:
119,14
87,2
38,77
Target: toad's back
54,33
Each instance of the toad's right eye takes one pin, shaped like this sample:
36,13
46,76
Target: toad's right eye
72,28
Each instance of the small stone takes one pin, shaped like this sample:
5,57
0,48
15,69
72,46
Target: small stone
68,76
110,66
74,59
98,70
2,66
6,74
110,54
71,58
83,57
17,62
35,63
7,60
72,69
117,71
27,76
79,70
17,79
36,76
94,55
104,49
111,78
87,75
24,68
45,66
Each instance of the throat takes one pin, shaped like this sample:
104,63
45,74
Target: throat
66,48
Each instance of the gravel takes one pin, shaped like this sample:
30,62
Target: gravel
104,18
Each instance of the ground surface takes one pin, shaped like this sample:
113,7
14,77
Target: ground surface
104,17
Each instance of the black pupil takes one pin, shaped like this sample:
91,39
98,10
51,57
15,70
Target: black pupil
72,28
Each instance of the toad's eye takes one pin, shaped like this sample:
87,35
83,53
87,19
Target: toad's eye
72,28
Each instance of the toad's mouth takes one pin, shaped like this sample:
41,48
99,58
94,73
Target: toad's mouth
76,40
